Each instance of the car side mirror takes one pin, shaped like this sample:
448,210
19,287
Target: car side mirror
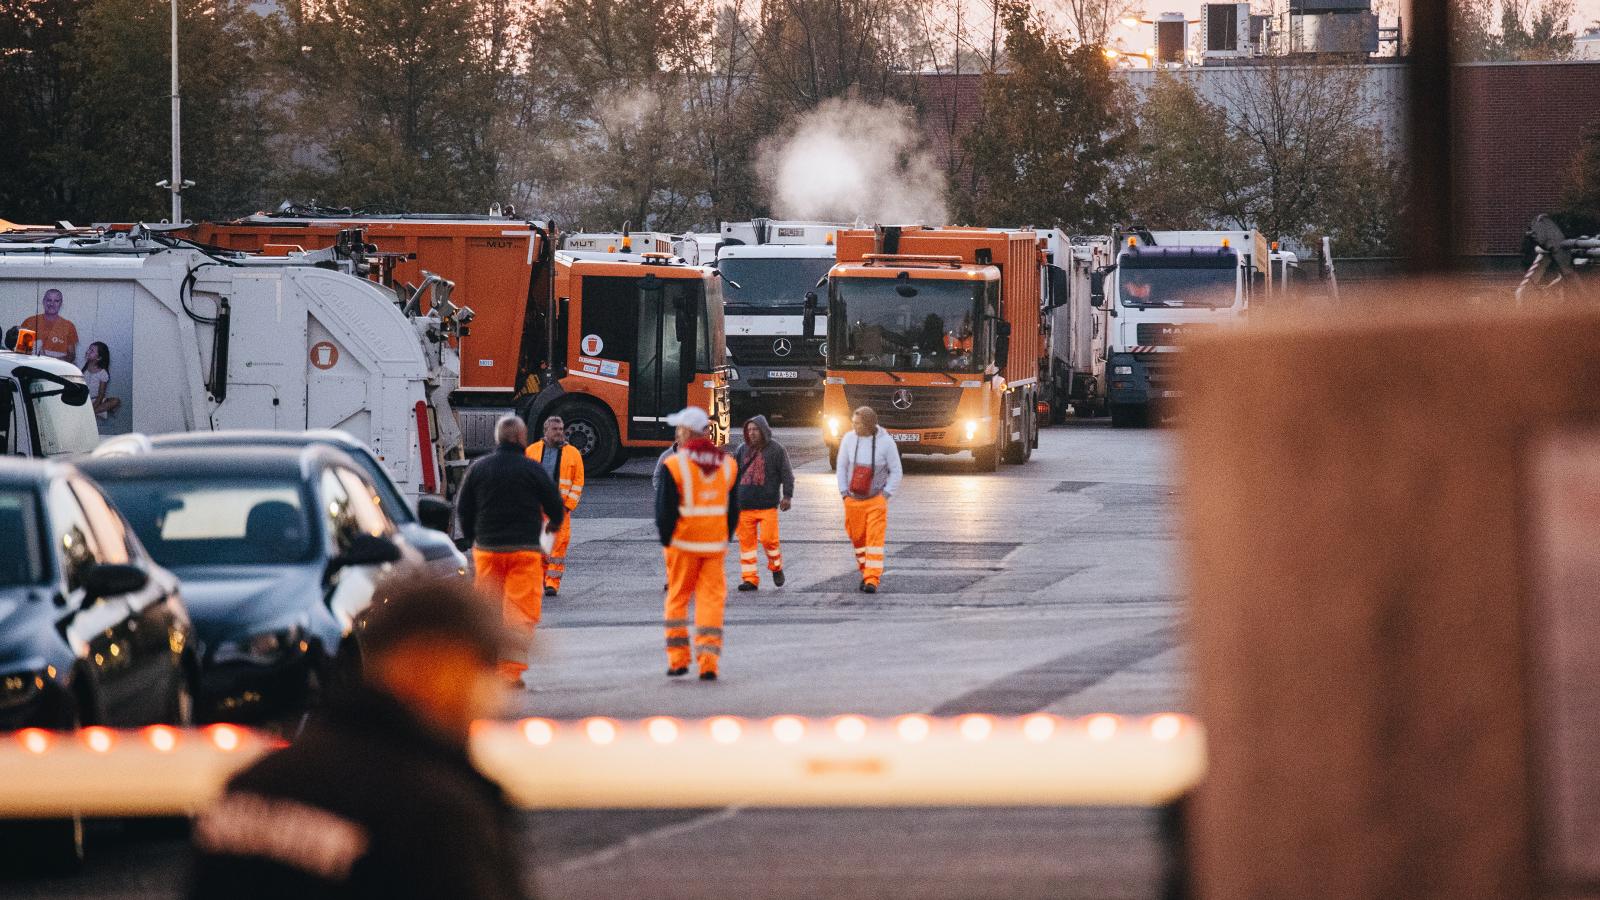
111,579
434,512
811,314
364,550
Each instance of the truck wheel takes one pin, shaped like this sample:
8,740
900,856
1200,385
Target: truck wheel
833,459
1014,452
986,459
1126,415
592,431
1083,410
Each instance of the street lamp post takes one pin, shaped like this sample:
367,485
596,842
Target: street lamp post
176,185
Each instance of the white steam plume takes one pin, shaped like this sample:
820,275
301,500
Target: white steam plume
848,160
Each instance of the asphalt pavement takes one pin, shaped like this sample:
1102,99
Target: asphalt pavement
1045,587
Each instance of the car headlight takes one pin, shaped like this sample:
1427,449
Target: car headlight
833,426
1122,370
971,427
18,688
266,647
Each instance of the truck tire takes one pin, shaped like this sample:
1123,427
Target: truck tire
833,459
1125,415
593,431
1084,410
986,459
1014,452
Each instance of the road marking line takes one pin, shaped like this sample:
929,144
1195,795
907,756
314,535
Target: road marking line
632,842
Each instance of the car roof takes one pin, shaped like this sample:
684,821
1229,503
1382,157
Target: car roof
10,359
256,437
289,462
16,470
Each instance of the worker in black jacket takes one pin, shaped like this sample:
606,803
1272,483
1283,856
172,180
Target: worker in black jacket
377,798
499,508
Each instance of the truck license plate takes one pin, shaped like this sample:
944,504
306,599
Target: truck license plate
1172,393
907,438
783,373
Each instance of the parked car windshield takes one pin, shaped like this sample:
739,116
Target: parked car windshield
64,428
216,520
21,556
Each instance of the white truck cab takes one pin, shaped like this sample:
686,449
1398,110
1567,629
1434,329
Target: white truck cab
1163,287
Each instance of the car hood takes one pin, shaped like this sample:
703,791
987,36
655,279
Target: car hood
233,602
28,636
433,545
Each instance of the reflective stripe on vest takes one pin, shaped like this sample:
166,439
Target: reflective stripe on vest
702,504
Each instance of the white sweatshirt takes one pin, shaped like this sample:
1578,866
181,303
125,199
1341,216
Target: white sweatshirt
854,450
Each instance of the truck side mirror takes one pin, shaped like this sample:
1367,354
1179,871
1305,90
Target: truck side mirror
811,314
1097,289
1002,345
1059,290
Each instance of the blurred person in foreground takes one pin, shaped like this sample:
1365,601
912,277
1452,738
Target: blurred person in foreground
378,798
697,511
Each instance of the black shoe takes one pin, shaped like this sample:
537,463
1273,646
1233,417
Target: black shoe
549,591
674,673
708,676
749,586
868,588
777,577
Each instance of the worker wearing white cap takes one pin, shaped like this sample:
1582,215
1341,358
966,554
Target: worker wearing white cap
697,511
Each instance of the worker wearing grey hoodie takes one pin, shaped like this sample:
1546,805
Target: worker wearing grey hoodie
766,485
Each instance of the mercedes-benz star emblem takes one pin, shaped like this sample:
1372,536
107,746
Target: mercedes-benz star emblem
902,399
782,347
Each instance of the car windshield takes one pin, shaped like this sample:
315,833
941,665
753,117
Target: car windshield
389,499
215,520
64,428
769,282
1209,287
21,557
873,324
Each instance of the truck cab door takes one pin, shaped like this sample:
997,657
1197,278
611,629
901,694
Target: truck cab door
664,359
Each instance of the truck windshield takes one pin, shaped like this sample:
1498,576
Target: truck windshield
215,520
1178,287
63,428
22,563
872,324
769,283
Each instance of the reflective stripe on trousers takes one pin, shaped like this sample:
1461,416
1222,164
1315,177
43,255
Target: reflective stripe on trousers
758,526
698,576
516,578
556,566
867,521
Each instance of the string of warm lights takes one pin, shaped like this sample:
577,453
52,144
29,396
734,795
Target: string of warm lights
661,761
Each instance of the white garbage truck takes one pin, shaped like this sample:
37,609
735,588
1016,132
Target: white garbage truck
172,337
1075,336
769,268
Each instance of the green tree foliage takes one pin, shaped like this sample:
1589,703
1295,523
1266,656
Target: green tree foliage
1496,30
395,101
87,86
1580,212
1284,149
1044,146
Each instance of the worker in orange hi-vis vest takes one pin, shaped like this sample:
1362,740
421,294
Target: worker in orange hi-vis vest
869,474
564,464
697,511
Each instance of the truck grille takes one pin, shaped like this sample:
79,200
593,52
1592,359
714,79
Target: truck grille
931,407
757,351
1162,371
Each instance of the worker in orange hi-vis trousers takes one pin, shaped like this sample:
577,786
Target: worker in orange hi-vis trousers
697,510
869,474
562,462
766,485
507,507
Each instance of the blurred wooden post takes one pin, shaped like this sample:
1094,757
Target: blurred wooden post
1357,520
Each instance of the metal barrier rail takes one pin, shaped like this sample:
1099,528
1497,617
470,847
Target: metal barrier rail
842,761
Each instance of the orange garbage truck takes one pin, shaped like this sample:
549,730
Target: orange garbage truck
606,340
938,330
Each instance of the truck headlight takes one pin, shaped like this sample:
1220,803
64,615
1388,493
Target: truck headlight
833,426
1122,370
971,427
